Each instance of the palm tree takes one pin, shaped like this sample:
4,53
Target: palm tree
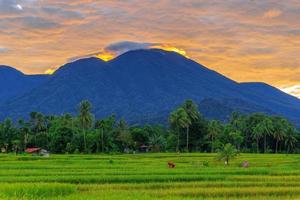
179,119
280,129
193,114
278,136
16,145
24,130
85,119
257,134
157,141
227,153
123,135
290,141
267,129
214,128
37,122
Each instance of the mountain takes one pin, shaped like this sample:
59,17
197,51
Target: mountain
144,86
283,103
14,82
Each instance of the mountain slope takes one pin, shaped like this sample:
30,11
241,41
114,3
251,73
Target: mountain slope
14,82
144,86
269,96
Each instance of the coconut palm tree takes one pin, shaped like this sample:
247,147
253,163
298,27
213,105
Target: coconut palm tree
193,114
24,131
157,141
16,145
37,123
267,130
179,119
214,129
85,119
280,130
290,141
257,134
227,153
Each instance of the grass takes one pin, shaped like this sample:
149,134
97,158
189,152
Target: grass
146,176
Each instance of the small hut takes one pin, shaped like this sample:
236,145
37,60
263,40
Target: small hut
37,152
144,148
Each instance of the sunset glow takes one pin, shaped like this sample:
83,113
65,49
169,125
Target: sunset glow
50,71
105,56
249,40
174,49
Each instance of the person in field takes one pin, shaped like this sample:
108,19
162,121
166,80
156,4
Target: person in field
171,164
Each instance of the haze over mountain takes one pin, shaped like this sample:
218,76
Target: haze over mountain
145,86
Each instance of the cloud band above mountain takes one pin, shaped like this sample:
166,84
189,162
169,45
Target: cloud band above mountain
118,48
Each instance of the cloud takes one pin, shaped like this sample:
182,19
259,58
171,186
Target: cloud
293,90
35,22
66,14
272,13
9,6
18,7
3,49
72,59
124,46
294,32
115,49
247,40
256,51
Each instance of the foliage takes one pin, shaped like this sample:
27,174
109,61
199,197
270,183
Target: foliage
188,130
227,153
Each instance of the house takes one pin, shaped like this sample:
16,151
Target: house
37,152
145,148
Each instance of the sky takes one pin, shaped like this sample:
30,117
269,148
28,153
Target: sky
246,40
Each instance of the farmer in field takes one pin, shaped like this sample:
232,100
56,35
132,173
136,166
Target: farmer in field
245,164
171,164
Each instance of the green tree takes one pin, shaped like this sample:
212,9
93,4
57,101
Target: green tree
290,141
157,141
16,146
123,136
179,119
140,135
257,134
24,132
192,112
280,130
7,134
85,119
37,123
236,138
214,129
104,129
227,153
267,130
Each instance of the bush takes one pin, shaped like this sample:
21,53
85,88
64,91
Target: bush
205,163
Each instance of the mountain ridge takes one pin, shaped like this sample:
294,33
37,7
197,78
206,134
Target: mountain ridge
13,82
142,85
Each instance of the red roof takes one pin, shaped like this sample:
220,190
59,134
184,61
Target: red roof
32,150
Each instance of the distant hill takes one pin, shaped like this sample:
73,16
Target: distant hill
144,86
14,82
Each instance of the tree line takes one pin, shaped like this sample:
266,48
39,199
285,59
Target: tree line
187,131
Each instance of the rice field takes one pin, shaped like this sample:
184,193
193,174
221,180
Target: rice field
146,176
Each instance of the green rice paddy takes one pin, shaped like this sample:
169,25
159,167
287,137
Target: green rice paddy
146,176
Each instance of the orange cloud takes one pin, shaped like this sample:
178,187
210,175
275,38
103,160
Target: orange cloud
272,13
244,40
